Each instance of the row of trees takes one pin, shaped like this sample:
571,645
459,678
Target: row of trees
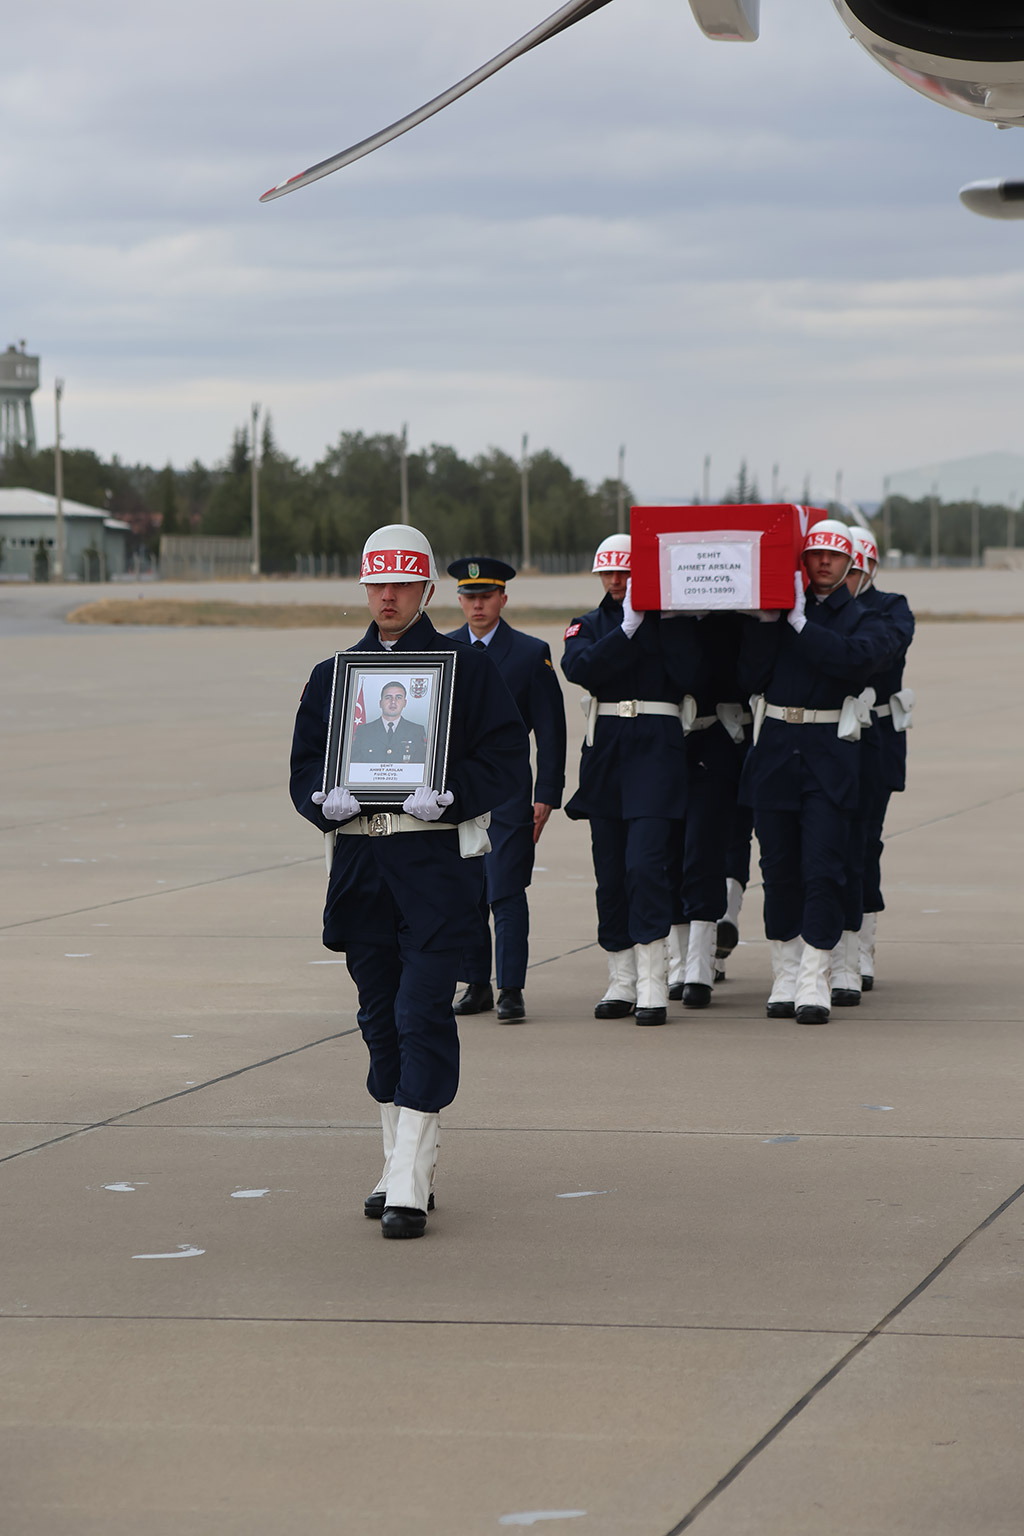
462,505
330,509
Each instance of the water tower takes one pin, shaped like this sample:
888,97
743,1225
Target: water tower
19,379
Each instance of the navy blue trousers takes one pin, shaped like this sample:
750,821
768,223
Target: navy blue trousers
803,861
875,806
710,803
511,943
737,855
406,1019
634,891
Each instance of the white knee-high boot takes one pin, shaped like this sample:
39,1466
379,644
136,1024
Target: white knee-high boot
618,1000
678,939
373,1205
846,970
652,982
413,1160
700,965
866,946
786,955
813,993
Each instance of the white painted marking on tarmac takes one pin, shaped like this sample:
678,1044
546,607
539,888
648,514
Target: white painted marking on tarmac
86,956
184,1251
126,1188
249,1194
877,1106
930,911
540,869
534,1516
77,861
581,1194
777,1141
183,1037
325,962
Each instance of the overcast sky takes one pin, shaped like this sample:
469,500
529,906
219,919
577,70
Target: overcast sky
631,235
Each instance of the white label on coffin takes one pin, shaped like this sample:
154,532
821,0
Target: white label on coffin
714,569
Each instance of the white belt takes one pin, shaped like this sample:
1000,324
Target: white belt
798,716
384,823
704,723
883,711
734,717
629,709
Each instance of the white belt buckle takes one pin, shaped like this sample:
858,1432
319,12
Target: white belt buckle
627,709
794,715
380,824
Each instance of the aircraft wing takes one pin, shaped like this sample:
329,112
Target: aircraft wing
565,16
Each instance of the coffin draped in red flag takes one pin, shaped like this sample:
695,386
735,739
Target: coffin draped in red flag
726,557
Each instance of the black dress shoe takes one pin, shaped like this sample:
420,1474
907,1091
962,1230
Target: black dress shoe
652,1015
403,1221
477,998
675,992
866,983
845,997
811,1013
696,995
373,1205
727,936
511,1007
613,1008
781,1010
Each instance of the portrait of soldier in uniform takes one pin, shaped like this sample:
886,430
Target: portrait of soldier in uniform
390,738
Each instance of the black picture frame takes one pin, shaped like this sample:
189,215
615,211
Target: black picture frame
381,770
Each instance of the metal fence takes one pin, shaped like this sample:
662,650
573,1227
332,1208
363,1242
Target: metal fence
199,558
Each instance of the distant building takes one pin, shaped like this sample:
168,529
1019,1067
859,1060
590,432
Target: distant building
95,545
994,479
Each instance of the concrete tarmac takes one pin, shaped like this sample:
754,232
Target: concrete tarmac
731,1276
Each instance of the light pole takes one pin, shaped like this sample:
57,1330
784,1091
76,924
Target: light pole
620,514
255,567
58,484
775,482
705,494
403,471
524,474
975,529
886,517
935,525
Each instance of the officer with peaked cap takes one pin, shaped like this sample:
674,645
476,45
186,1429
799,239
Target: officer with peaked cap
802,774
637,669
401,906
884,756
516,826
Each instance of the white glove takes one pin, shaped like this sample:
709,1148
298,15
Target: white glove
797,616
339,805
631,620
426,804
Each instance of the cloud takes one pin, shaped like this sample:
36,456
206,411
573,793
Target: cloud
631,235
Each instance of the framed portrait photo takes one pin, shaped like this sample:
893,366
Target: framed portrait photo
389,726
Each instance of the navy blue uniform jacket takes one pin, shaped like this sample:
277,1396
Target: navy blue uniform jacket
885,749
436,891
635,767
525,665
835,654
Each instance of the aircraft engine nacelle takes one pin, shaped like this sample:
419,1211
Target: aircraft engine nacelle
964,54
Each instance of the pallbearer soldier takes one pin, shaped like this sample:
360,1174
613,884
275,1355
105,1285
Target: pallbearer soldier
802,775
516,826
637,669
715,747
403,907
884,762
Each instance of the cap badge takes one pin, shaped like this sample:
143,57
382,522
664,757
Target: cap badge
474,570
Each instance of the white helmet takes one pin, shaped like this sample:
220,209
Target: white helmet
834,535
613,553
864,545
397,553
